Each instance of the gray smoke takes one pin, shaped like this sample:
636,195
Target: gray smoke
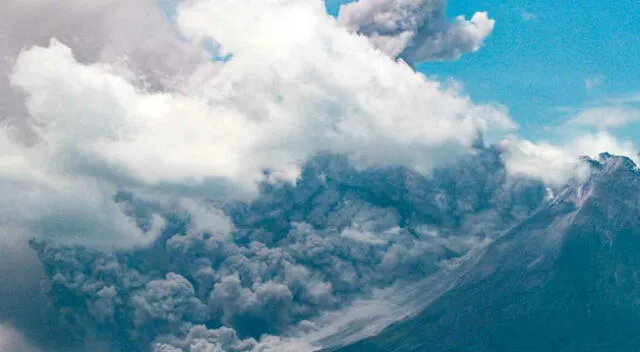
294,254
26,319
416,30
259,276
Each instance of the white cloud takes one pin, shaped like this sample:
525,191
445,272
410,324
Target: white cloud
39,199
630,98
592,82
555,165
527,16
606,117
297,84
543,161
132,34
382,111
206,218
416,30
606,114
348,94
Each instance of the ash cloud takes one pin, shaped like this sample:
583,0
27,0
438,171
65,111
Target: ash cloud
176,201
295,254
416,30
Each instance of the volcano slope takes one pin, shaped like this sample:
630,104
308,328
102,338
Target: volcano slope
567,278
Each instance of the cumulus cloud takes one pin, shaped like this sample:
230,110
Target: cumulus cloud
133,35
270,120
218,129
416,30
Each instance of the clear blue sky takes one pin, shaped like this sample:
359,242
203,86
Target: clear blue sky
540,54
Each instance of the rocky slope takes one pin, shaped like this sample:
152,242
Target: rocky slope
566,278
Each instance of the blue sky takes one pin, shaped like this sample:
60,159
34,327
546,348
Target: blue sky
540,54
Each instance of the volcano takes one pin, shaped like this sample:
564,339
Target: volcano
566,278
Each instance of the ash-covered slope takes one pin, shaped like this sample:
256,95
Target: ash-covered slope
296,255
565,279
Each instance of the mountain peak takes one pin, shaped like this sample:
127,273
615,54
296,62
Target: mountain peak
612,162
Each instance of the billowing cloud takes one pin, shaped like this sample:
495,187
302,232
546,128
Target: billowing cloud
416,30
338,256
116,123
151,175
132,35
43,196
272,106
298,258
